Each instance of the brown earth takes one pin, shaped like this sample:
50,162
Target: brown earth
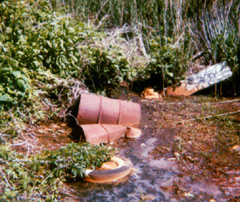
203,138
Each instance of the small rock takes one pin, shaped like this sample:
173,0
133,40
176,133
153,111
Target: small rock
190,142
177,155
192,159
188,194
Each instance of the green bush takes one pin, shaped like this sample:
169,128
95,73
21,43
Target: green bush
105,69
39,177
36,39
168,63
226,50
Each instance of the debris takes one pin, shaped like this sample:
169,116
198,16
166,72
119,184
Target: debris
203,79
133,132
104,120
149,93
176,154
147,197
95,109
108,165
208,117
134,172
188,194
122,168
236,148
103,133
232,172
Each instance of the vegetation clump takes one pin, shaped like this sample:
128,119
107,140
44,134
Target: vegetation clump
46,56
201,32
38,43
40,177
168,64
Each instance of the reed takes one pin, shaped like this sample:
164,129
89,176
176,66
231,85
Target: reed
205,28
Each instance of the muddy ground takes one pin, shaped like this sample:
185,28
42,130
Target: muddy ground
189,151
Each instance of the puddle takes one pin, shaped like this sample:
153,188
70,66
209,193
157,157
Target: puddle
164,164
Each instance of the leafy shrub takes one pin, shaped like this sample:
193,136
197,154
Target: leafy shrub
36,39
105,69
72,160
14,85
39,177
168,63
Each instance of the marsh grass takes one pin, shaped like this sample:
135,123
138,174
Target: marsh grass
205,32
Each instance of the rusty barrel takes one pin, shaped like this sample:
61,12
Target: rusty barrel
95,109
103,133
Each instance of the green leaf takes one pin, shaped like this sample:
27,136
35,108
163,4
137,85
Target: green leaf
16,74
5,98
74,172
36,63
169,74
21,84
49,44
20,53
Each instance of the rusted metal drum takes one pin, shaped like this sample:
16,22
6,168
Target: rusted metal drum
95,109
103,133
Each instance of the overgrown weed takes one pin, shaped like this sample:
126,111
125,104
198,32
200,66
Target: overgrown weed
40,177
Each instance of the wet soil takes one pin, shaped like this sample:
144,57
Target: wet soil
185,153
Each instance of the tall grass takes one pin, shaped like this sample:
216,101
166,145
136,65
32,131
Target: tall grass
200,28
176,19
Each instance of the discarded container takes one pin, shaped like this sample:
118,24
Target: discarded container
133,132
101,110
122,167
149,93
203,79
103,133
